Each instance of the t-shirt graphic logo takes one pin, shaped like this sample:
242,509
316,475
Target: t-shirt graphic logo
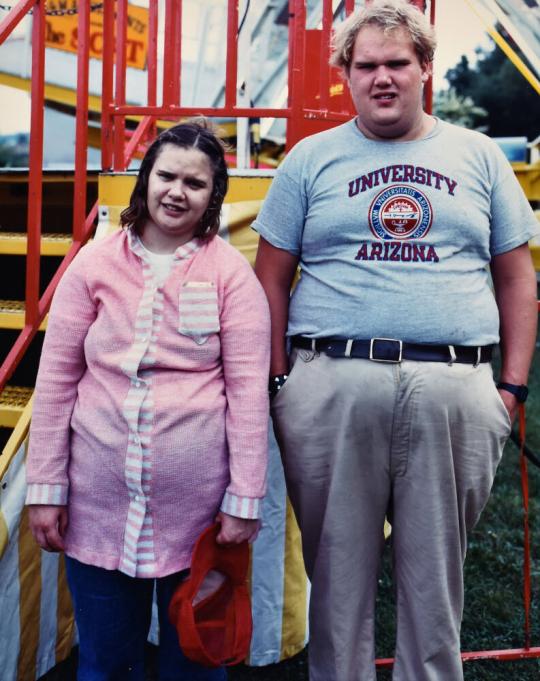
400,212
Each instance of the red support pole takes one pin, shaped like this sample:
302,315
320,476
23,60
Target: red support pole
107,78
177,53
13,17
81,120
526,534
428,90
296,83
35,186
151,61
291,46
29,331
176,111
172,53
349,7
327,19
138,136
47,296
120,83
231,75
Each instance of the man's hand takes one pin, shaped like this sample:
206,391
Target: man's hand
48,525
236,530
511,404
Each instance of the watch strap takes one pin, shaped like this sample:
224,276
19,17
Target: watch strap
275,383
519,391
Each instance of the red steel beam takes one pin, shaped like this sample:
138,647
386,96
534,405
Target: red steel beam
177,52
86,232
168,39
120,83
327,19
296,84
14,17
231,73
172,52
510,654
291,47
137,137
81,120
107,78
175,111
35,174
29,330
16,353
428,91
151,60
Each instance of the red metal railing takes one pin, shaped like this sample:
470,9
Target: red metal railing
117,147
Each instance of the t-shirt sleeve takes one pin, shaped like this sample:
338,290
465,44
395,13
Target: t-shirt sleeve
513,221
281,218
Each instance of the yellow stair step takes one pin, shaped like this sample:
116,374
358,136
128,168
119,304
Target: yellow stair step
13,400
12,315
14,243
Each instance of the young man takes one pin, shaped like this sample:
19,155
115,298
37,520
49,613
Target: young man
390,408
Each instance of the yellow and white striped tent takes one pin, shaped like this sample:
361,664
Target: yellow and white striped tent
36,627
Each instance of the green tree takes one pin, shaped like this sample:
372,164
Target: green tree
494,84
459,110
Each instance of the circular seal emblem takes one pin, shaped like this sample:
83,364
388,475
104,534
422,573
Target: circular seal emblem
400,212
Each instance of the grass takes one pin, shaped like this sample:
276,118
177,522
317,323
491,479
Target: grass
493,618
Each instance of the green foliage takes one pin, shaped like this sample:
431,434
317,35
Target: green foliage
494,84
14,151
459,110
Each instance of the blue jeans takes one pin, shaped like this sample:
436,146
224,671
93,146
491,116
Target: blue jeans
113,613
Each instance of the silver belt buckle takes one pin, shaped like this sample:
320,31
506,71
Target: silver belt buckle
391,340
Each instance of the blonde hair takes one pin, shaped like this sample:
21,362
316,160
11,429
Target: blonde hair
389,15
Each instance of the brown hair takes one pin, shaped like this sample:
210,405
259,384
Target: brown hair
197,134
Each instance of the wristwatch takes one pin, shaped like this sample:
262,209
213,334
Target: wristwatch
520,391
275,383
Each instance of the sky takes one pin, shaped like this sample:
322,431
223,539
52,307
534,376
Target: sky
459,31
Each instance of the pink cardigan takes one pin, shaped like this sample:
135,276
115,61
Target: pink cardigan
151,408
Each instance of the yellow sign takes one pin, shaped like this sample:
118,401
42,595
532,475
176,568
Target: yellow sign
61,31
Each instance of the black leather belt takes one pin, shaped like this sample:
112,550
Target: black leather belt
392,350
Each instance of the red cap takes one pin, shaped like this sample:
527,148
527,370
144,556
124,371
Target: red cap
216,630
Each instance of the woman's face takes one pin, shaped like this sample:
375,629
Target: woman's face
179,190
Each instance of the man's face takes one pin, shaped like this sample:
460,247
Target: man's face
386,79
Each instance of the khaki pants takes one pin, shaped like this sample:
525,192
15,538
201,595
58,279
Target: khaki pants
419,441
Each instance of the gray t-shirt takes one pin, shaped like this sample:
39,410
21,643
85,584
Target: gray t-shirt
394,237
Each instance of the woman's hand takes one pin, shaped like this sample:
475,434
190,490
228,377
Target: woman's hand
48,525
236,530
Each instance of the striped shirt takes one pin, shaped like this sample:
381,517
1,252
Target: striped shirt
150,411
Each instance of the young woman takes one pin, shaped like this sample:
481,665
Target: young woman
150,415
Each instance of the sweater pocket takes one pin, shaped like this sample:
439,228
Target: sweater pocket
198,315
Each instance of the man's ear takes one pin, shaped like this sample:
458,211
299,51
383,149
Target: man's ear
427,70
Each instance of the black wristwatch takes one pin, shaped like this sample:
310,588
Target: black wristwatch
520,391
275,383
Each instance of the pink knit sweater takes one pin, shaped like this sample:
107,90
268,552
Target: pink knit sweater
151,403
